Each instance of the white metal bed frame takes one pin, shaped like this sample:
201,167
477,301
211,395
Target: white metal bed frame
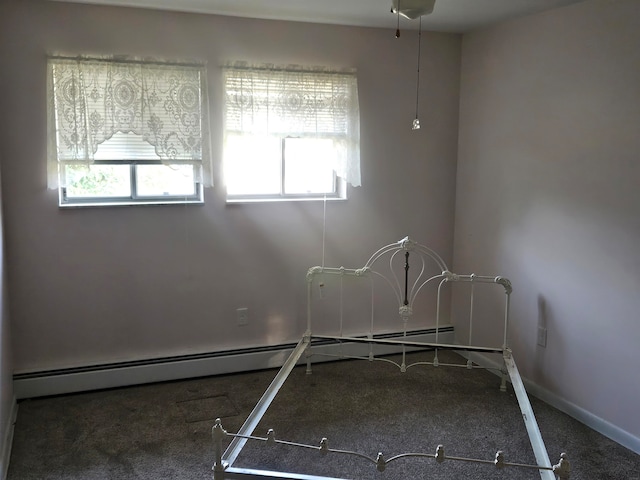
406,293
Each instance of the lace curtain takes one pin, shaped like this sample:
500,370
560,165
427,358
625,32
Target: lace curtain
92,99
298,102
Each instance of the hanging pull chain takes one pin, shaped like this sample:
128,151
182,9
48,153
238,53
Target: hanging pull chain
416,121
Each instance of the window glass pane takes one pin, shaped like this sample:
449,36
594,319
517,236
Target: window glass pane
308,166
252,165
163,180
98,180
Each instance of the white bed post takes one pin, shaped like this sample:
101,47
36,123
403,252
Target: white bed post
473,286
371,327
447,276
342,270
218,433
310,275
307,354
507,289
505,343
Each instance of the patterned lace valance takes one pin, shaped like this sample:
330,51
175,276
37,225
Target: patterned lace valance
93,99
299,102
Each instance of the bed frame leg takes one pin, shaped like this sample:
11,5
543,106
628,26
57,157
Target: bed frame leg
218,433
563,468
307,355
503,382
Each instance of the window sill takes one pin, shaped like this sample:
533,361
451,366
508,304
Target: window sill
127,204
244,200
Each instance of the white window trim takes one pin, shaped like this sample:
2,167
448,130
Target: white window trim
134,198
82,111
243,116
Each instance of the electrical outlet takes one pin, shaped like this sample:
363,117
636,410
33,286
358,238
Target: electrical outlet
242,316
542,336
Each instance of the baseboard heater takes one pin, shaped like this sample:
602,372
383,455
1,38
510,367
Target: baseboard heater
122,374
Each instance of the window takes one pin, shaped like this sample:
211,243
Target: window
127,132
269,166
290,133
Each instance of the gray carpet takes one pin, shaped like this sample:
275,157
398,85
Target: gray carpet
163,431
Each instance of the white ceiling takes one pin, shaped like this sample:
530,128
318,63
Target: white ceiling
448,15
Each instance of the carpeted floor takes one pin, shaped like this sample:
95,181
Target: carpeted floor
163,431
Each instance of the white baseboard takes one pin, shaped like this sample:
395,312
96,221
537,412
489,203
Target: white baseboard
38,384
598,424
7,440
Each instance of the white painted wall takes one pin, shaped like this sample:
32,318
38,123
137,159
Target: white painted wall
7,400
109,284
548,195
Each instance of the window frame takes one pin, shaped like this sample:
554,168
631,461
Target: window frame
183,84
134,199
292,101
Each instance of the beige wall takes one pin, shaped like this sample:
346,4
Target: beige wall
548,177
109,284
7,402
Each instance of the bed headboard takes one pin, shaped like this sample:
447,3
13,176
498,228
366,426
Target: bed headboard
401,279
